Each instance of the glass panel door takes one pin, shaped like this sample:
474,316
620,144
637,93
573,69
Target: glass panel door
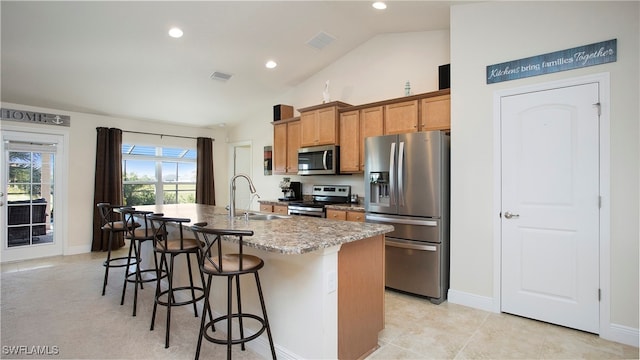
30,196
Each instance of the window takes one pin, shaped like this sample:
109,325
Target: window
158,175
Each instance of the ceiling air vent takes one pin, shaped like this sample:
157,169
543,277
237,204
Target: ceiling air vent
321,40
220,76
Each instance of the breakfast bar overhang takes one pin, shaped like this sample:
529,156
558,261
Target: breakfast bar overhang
323,281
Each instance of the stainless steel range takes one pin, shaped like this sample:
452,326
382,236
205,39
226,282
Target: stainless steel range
321,195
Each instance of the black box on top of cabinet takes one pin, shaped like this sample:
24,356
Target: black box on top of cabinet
281,112
444,76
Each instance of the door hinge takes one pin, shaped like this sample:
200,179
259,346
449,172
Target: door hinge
599,107
599,294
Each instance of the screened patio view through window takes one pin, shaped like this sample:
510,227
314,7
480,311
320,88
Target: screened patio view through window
158,175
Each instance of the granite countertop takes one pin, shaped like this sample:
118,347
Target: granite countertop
293,235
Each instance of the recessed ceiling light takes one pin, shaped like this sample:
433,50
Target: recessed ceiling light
175,32
271,64
379,5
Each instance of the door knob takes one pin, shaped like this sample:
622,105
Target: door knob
509,215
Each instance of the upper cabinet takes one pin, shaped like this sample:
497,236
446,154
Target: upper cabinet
424,112
355,126
286,141
401,117
349,150
338,123
436,113
319,124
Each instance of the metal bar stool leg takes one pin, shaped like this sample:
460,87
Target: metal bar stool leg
193,292
163,261
208,308
229,314
239,303
264,314
170,300
132,245
107,263
203,322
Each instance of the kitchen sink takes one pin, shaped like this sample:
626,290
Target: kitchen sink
260,216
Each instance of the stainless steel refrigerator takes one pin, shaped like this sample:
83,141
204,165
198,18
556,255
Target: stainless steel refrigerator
407,186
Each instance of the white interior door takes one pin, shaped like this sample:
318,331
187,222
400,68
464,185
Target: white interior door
29,195
550,206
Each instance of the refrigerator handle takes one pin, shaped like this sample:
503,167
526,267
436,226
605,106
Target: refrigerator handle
401,174
392,174
411,246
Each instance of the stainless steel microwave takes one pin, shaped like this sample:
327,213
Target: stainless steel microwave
319,160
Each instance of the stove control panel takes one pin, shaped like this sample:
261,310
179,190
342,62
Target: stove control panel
331,190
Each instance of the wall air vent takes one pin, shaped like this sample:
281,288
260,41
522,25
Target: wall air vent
220,76
321,40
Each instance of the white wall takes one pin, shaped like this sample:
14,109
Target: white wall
488,33
377,70
82,158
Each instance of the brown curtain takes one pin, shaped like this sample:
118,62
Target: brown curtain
108,183
205,190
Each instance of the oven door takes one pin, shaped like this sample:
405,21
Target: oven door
306,211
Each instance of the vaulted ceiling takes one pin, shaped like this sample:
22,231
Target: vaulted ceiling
115,58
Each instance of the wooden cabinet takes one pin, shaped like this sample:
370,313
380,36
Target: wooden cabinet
286,141
281,209
349,149
293,144
345,125
347,215
334,214
371,124
355,126
355,216
319,124
278,209
401,117
436,113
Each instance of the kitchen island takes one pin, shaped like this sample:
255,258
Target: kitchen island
323,281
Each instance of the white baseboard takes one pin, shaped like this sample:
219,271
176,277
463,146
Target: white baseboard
622,334
472,300
75,250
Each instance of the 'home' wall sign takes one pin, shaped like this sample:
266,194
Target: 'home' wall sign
35,117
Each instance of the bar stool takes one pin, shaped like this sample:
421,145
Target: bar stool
114,226
137,235
216,263
173,247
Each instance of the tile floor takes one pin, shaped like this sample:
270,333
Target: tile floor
56,302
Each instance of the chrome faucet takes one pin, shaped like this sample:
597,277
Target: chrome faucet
232,193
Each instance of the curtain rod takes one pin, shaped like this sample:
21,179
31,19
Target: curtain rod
161,135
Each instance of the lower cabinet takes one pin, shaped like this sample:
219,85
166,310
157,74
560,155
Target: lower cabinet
281,209
277,209
334,214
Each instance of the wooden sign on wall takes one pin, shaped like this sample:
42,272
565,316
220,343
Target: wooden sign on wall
35,117
569,59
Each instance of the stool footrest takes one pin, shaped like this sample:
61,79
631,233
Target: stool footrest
131,276
124,259
177,289
236,341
